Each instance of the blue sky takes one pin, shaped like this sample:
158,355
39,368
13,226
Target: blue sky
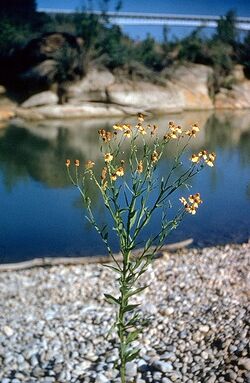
205,7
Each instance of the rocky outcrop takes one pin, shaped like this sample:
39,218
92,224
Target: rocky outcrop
236,98
146,97
7,107
192,82
51,58
101,94
93,87
2,90
6,113
70,111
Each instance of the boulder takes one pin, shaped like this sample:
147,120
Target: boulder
192,81
91,88
41,74
43,98
72,111
236,98
6,113
2,89
146,96
238,73
52,57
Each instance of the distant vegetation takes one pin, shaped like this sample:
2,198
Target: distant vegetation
103,44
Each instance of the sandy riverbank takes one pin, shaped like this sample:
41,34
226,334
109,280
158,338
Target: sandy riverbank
53,321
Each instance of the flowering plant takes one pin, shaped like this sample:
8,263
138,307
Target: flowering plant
126,186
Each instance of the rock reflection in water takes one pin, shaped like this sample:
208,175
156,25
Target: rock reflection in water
36,152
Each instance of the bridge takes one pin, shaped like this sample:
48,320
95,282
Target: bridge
134,18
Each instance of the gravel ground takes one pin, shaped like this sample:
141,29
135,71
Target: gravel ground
53,321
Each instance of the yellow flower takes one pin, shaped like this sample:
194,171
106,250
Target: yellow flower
195,158
140,117
104,185
126,127
174,128
106,136
120,171
212,156
154,156
173,135
104,173
192,132
154,130
142,130
108,157
178,129
194,202
210,163
203,154
191,209
167,136
140,167
183,201
77,163
89,164
127,133
211,159
195,127
113,177
117,127
67,163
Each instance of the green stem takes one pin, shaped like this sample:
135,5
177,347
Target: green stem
122,331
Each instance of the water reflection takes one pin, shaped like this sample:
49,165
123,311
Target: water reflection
33,179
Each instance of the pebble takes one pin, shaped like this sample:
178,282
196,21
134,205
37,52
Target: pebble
198,332
100,378
131,369
163,366
8,331
166,380
204,329
244,363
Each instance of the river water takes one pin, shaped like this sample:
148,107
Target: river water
41,213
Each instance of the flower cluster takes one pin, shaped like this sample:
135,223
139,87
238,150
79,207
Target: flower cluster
194,200
105,135
175,131
193,130
203,155
154,156
127,128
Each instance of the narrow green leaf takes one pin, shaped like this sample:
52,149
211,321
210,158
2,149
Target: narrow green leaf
113,268
130,308
109,298
133,355
137,291
133,335
132,218
112,329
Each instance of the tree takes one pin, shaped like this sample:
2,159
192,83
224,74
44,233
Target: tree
226,29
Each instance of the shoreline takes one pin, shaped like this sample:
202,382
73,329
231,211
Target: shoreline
102,94
53,321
